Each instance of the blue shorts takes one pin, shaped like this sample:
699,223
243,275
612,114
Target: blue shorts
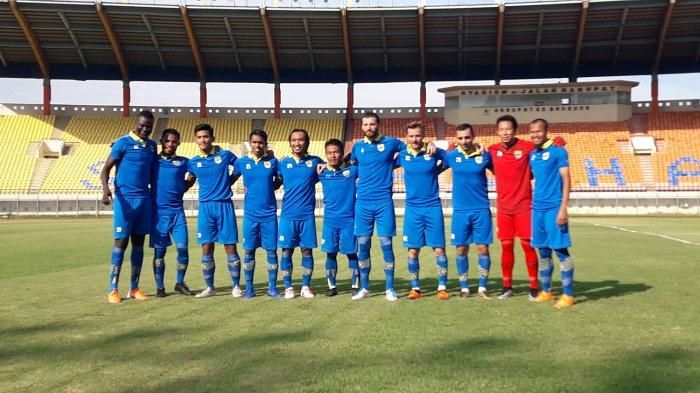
470,227
168,223
216,223
297,233
132,216
259,234
546,232
338,237
367,213
423,226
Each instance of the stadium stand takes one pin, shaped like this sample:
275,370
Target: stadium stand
396,127
677,160
320,130
229,133
17,164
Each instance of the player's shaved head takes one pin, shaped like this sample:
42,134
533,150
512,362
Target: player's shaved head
544,123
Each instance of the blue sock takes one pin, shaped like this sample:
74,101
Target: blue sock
364,243
115,268
441,263
331,268
389,261
414,272
354,270
462,270
249,268
484,262
136,263
234,268
307,264
183,259
546,267
287,267
566,266
272,269
159,266
208,269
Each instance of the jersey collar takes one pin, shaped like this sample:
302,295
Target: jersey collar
547,144
256,159
137,138
298,159
476,152
342,167
376,138
215,149
413,152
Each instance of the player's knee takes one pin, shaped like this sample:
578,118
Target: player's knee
461,250
545,252
525,244
250,253
306,252
363,240
385,241
271,253
332,255
287,252
439,252
412,253
482,249
507,245
562,253
138,240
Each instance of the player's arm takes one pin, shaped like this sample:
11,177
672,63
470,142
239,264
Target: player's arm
189,181
563,215
104,177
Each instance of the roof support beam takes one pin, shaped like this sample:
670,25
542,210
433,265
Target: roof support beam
460,42
31,38
2,59
74,38
386,54
697,54
113,40
662,36
620,33
346,43
147,22
579,40
232,38
499,41
421,42
538,41
270,44
308,44
193,43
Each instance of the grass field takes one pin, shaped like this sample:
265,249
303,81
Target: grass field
634,328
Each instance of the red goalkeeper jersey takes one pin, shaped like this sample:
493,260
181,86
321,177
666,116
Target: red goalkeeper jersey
512,170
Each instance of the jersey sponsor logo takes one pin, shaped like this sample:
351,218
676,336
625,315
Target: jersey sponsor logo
289,165
545,156
499,154
281,238
247,166
405,238
518,154
427,158
136,147
452,236
199,165
323,241
380,147
362,150
346,173
479,159
217,160
267,164
408,158
309,163
459,159
199,235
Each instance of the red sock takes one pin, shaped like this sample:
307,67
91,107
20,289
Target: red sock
530,262
507,260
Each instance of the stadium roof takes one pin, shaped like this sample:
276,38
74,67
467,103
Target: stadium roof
85,40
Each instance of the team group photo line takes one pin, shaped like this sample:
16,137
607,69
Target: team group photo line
532,195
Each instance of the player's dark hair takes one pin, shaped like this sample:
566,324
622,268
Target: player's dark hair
369,114
464,127
258,132
335,142
204,127
543,121
169,131
413,125
146,114
509,118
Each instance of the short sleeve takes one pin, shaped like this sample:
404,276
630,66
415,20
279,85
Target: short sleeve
446,158
563,159
400,145
117,151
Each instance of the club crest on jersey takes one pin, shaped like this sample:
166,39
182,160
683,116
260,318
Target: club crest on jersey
309,163
247,166
289,165
427,157
217,160
459,159
199,165
479,159
267,164
518,154
346,173
177,162
362,150
499,154
380,147
136,147
545,156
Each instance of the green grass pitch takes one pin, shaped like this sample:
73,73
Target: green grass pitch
634,328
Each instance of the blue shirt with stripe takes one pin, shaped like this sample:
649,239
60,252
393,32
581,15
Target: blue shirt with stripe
134,161
212,173
170,182
299,179
469,184
545,163
339,193
421,176
259,177
375,163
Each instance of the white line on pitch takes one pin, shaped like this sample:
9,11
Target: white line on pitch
648,233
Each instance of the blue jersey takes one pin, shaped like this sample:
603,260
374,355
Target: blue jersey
259,177
339,193
170,182
212,173
421,176
375,162
299,179
546,163
469,186
135,159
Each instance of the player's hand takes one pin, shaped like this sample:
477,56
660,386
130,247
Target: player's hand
431,149
320,168
270,153
479,148
106,197
562,217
